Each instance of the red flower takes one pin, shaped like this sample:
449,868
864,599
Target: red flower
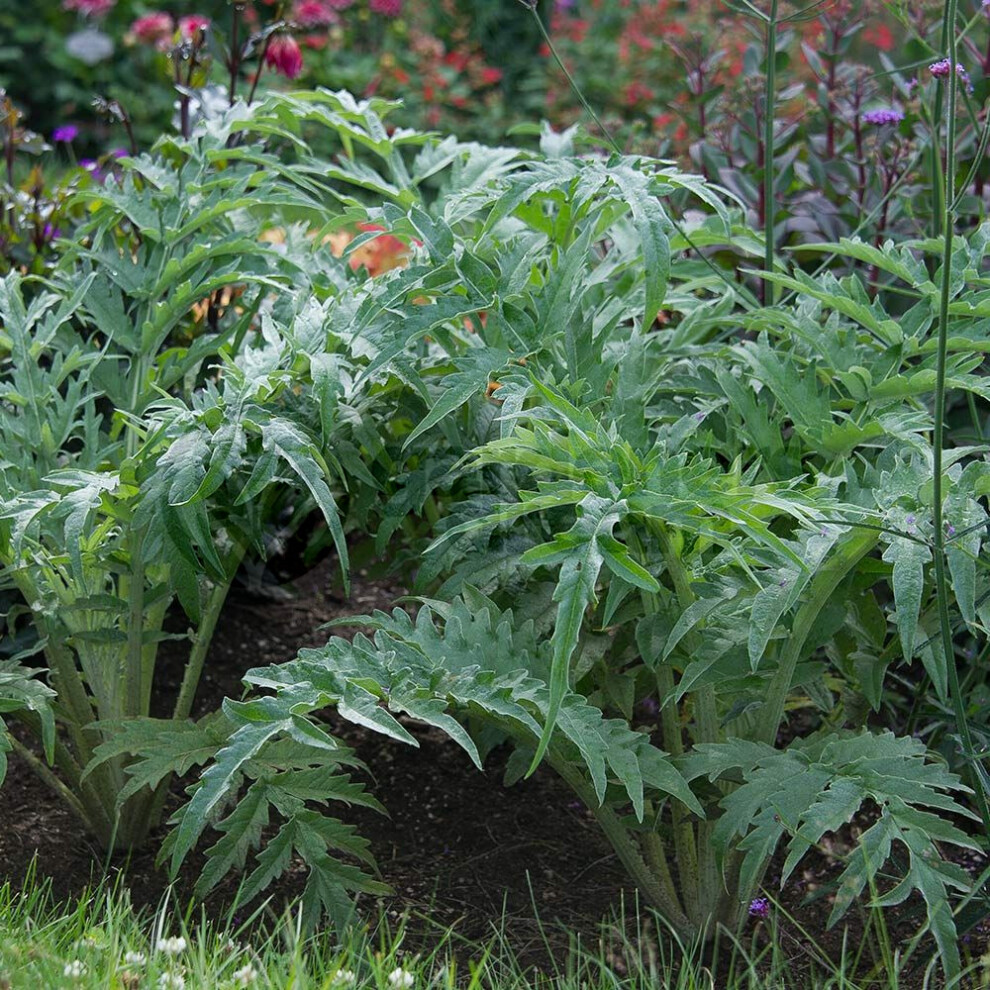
457,60
389,8
490,76
284,56
153,28
313,13
191,25
90,8
881,36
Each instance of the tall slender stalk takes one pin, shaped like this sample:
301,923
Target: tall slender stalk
769,190
976,772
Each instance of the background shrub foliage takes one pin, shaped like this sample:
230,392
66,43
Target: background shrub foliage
693,519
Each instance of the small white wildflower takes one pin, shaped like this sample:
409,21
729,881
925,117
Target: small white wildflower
172,946
172,981
135,958
401,979
343,978
245,976
74,970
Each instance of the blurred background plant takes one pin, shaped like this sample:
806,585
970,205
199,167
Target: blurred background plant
684,79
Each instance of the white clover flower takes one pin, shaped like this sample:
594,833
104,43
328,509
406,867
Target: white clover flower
245,976
343,978
135,958
172,981
74,970
401,979
172,946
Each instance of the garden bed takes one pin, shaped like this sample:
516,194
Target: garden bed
459,849
458,845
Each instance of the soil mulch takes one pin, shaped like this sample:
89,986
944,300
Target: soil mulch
458,848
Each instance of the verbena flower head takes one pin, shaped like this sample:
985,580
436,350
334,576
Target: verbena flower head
343,978
284,56
759,907
387,8
90,8
74,970
67,133
883,115
172,981
135,958
942,68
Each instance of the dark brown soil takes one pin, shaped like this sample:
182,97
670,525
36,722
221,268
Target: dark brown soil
458,847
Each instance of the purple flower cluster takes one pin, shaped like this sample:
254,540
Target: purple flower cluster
884,115
942,68
67,133
759,907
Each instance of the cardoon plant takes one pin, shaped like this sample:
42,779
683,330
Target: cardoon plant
654,514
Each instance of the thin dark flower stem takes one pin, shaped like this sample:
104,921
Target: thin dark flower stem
125,119
830,85
183,99
769,192
261,59
8,146
860,153
234,63
976,771
261,68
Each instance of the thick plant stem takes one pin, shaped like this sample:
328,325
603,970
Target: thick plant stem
626,848
709,886
685,846
978,775
197,655
853,548
133,688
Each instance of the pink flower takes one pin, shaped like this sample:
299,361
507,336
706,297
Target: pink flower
389,8
153,28
313,13
191,25
284,56
90,8
339,4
